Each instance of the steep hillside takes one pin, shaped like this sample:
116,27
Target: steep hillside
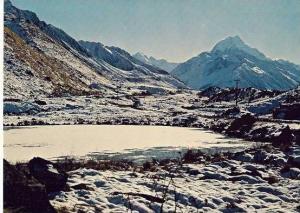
41,59
29,72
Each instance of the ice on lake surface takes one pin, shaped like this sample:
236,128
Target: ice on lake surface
103,141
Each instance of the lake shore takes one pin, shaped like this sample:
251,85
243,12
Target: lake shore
261,179
257,179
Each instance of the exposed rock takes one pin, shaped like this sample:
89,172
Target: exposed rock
18,108
294,161
95,85
287,111
194,172
231,112
212,175
241,125
260,156
23,192
218,126
260,134
210,91
284,139
243,157
292,173
191,156
276,161
82,186
45,172
136,103
40,102
247,179
297,136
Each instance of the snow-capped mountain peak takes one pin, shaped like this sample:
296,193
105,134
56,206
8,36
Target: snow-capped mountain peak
233,59
230,42
234,45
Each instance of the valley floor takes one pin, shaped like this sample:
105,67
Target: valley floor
181,108
251,181
178,109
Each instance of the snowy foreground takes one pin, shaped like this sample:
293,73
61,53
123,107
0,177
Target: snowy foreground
242,183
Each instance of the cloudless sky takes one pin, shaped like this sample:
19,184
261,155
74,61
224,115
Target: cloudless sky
177,29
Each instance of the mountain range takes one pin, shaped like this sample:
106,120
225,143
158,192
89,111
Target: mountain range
232,60
42,60
160,63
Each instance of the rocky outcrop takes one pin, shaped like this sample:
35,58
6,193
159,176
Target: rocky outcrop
46,172
287,112
22,193
231,112
284,139
292,173
239,126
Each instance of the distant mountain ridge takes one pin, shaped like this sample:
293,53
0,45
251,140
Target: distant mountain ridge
116,57
232,59
160,63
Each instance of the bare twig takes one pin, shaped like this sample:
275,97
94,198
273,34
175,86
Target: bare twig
146,196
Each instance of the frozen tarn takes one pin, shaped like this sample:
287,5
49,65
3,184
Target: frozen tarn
131,142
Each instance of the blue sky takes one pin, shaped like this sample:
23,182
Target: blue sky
177,29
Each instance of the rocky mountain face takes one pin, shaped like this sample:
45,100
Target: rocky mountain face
118,57
160,63
231,59
42,60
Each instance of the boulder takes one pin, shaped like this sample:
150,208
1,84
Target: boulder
45,172
136,103
294,161
287,111
241,125
284,139
261,133
242,156
23,193
260,156
194,172
40,102
95,85
231,112
218,126
297,136
292,173
275,160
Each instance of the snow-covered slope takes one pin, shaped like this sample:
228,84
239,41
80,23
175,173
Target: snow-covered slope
118,57
101,52
160,63
40,59
232,59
